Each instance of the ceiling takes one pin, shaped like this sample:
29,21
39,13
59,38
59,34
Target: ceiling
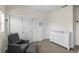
45,8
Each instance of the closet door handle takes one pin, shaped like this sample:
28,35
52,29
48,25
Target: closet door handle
22,32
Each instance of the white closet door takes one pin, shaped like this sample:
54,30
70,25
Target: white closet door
37,29
40,25
15,25
77,26
77,33
27,28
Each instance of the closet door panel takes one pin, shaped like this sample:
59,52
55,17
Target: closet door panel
37,29
27,28
40,25
15,25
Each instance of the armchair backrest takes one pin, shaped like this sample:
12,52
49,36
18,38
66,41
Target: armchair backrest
13,37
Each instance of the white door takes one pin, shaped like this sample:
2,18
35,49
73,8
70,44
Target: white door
77,26
37,29
15,25
77,33
40,25
27,28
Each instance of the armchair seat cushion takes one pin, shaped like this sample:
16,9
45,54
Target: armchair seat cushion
21,42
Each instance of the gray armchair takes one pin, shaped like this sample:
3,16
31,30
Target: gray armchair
15,44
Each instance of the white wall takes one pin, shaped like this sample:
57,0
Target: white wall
62,20
3,42
23,10
3,39
45,28
2,8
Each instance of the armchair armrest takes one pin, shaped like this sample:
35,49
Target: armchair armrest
21,42
17,42
25,41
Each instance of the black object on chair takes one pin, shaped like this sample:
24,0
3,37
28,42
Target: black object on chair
15,44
